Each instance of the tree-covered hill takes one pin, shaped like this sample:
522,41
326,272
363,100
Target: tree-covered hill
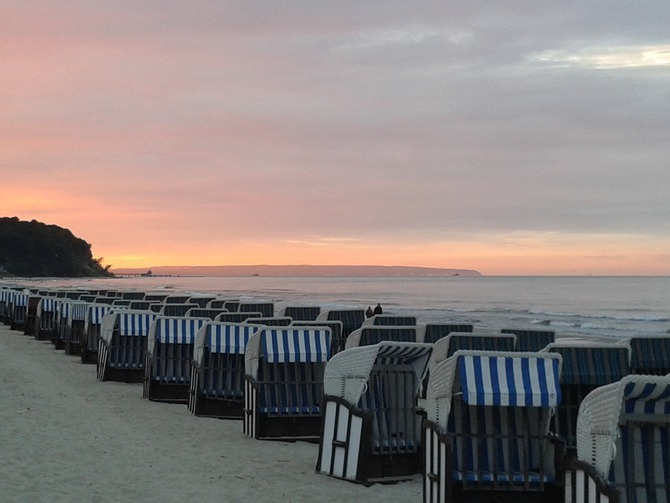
34,249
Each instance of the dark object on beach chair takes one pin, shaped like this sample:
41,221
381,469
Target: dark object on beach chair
168,358
234,317
650,355
586,366
487,428
122,344
204,312
283,382
217,370
531,339
371,428
623,443
175,309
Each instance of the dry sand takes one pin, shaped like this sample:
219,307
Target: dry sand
66,437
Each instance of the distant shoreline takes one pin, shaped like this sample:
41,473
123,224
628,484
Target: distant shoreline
295,271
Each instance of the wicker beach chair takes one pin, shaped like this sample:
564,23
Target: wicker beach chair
371,429
389,320
202,300
487,428
168,358
528,339
217,370
63,305
283,382
31,314
44,322
650,354
18,310
351,319
374,334
432,332
301,313
586,366
74,327
5,301
623,443
122,344
92,326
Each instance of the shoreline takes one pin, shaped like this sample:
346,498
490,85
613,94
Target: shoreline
69,437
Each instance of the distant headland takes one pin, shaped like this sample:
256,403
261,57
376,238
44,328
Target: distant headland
298,270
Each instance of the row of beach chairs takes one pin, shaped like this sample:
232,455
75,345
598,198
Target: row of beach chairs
481,415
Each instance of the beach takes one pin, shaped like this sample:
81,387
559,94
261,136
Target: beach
67,437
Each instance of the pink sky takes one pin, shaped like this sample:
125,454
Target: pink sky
479,137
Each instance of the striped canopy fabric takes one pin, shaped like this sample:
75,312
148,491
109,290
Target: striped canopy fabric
178,330
78,311
135,324
228,338
97,313
296,345
647,398
48,304
401,354
522,381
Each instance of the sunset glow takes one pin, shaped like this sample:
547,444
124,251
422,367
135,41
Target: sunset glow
490,138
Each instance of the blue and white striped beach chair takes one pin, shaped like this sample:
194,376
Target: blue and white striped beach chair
18,310
44,324
336,343
623,443
487,427
586,366
63,305
283,382
92,327
168,359
372,431
217,370
122,344
74,327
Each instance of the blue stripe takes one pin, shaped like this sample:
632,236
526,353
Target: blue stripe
479,385
509,371
495,383
542,377
527,384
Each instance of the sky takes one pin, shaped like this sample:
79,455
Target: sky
514,138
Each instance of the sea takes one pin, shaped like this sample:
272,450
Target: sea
591,307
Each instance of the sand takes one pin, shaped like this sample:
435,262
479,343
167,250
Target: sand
66,437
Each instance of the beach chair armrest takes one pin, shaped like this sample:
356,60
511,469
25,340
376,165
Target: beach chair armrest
584,483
